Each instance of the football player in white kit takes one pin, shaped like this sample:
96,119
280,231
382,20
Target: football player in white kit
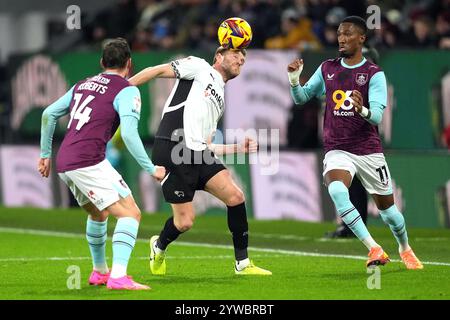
182,145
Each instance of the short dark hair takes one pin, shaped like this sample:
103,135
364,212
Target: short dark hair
116,53
221,50
357,21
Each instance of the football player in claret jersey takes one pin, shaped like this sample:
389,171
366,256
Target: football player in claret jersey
356,96
97,105
182,146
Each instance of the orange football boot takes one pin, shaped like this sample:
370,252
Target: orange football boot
410,260
377,257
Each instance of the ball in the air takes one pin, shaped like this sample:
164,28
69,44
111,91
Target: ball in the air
234,33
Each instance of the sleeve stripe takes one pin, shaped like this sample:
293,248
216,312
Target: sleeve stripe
175,69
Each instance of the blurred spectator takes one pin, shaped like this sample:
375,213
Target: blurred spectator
287,24
330,36
335,15
141,40
386,36
443,30
208,42
264,18
149,10
446,137
296,33
422,33
115,21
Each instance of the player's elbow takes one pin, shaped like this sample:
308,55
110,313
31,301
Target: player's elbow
127,137
298,98
375,122
298,102
46,115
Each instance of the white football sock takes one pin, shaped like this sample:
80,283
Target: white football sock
156,248
118,271
370,243
402,247
102,268
242,264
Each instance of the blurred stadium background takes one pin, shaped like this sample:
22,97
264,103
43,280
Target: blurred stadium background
40,58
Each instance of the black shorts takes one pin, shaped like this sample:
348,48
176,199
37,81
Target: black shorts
186,171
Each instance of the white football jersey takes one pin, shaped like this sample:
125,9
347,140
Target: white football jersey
195,104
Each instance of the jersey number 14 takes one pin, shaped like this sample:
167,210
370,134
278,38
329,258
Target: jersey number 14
81,111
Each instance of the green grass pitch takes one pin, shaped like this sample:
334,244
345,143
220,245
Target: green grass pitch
38,247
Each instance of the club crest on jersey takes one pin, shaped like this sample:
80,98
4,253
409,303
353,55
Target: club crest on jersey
179,194
92,195
361,78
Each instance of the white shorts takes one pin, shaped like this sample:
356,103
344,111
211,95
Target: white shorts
372,169
100,184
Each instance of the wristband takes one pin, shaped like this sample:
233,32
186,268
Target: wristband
294,76
365,113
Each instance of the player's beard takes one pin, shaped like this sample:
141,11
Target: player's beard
229,71
347,53
344,54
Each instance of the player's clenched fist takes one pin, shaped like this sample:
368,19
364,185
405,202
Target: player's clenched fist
357,100
294,70
160,173
248,146
44,166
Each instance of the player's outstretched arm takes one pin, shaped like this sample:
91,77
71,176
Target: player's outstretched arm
127,104
314,87
49,118
133,142
159,71
247,146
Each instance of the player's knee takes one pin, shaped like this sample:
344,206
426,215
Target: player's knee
236,198
99,216
135,213
338,193
392,216
184,223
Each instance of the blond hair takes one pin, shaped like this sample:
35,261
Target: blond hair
221,50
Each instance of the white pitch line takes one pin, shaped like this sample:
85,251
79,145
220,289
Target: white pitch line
200,257
209,245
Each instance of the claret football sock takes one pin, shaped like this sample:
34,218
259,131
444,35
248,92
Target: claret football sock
238,225
96,236
349,214
394,219
124,239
